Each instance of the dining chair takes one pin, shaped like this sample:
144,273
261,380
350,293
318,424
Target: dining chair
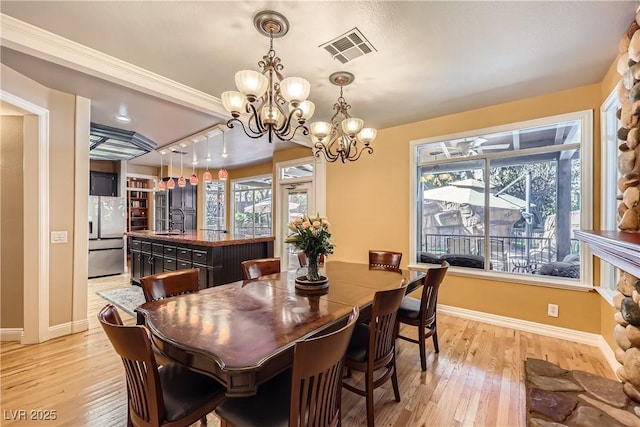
169,284
422,312
302,259
309,394
388,259
169,396
254,268
372,347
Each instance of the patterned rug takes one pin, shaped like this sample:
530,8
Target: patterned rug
126,299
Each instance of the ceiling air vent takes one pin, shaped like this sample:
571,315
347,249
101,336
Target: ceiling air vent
107,143
348,46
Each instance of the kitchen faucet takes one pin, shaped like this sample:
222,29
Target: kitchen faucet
172,222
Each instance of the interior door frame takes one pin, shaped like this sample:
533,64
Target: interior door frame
36,235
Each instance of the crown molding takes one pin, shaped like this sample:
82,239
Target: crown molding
42,44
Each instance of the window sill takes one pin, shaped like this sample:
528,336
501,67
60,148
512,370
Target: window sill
536,280
607,295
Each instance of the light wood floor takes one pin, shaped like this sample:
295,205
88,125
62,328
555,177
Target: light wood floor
476,379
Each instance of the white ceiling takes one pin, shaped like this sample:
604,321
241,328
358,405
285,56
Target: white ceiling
431,58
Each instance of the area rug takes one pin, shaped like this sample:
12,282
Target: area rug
126,299
559,397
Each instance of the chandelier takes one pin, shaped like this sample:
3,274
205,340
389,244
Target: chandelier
339,139
275,105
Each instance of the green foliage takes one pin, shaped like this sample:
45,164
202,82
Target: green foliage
311,235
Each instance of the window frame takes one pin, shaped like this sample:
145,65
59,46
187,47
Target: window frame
586,219
609,187
232,196
204,203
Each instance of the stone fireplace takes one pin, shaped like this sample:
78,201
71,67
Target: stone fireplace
622,249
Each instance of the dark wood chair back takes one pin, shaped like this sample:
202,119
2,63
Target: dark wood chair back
302,259
372,347
429,299
388,259
316,387
382,326
307,395
169,284
255,268
171,396
422,313
146,407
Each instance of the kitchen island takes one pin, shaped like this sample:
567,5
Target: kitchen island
217,254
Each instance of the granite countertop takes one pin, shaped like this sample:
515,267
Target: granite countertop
199,237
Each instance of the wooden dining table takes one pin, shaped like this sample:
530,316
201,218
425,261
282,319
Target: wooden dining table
243,333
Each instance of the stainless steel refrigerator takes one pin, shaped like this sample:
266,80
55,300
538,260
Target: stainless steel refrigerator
107,225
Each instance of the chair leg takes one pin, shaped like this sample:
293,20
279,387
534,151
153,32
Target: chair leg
422,345
224,423
203,421
435,339
394,379
369,397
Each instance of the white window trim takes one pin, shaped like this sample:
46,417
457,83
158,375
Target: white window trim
609,188
233,199
586,208
204,203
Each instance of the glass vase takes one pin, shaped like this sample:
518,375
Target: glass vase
313,273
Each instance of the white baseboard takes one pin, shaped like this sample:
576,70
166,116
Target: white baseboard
609,355
68,328
11,334
588,338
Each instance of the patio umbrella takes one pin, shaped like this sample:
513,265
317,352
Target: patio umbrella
471,192
264,206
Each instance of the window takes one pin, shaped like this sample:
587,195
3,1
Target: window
506,199
252,206
609,154
214,205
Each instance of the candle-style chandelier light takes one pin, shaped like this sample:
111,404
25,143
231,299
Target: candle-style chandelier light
275,105
340,138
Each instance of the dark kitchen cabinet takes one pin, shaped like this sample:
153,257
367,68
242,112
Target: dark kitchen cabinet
141,264
103,183
217,264
185,199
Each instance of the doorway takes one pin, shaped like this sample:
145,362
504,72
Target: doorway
296,200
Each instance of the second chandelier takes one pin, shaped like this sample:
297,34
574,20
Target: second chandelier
339,138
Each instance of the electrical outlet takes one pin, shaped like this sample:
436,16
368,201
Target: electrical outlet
552,310
58,237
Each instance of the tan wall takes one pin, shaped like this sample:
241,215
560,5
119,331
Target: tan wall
11,223
143,170
607,324
377,198
61,108
61,198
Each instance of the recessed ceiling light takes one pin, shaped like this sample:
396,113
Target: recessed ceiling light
122,118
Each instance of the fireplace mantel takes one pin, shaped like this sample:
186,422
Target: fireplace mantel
619,248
